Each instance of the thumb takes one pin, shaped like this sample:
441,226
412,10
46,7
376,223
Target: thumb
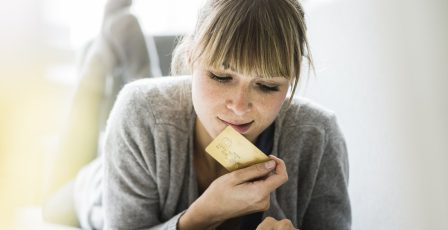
252,172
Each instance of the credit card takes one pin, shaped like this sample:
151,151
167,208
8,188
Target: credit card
233,151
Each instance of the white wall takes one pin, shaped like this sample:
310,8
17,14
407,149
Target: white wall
382,66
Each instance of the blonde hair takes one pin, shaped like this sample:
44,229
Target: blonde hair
264,38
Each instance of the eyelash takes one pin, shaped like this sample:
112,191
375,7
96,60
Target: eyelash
266,88
219,78
262,87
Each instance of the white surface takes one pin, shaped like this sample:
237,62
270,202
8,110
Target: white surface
178,16
30,218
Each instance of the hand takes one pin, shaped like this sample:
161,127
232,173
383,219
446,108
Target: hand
235,194
270,223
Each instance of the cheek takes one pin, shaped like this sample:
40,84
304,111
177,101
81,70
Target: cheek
206,98
203,96
271,102
269,106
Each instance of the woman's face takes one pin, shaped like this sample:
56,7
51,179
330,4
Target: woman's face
249,104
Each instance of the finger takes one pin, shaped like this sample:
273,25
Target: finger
284,224
267,223
279,177
280,165
252,172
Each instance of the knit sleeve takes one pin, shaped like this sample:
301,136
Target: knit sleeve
329,207
131,198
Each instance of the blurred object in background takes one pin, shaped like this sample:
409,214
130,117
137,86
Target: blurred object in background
52,96
116,56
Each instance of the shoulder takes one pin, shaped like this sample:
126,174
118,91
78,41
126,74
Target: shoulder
306,116
164,100
305,112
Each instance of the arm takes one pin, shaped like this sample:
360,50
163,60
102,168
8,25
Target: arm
131,199
330,205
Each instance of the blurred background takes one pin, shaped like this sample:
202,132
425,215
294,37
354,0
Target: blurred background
380,65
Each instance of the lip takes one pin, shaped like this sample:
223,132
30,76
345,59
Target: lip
238,126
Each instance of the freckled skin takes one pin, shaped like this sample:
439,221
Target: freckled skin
239,98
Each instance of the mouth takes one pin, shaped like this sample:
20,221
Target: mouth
238,126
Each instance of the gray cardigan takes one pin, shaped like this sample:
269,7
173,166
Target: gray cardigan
149,178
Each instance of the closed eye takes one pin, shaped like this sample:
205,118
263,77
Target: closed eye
221,79
268,88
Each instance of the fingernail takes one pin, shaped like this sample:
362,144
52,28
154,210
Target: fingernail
269,164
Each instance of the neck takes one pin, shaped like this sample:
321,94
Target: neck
207,168
202,138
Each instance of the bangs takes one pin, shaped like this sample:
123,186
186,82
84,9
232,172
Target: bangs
253,38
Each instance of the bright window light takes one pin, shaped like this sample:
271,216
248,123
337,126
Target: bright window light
82,18
167,17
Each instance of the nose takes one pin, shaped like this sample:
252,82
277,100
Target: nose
239,102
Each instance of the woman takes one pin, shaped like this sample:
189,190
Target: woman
244,57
